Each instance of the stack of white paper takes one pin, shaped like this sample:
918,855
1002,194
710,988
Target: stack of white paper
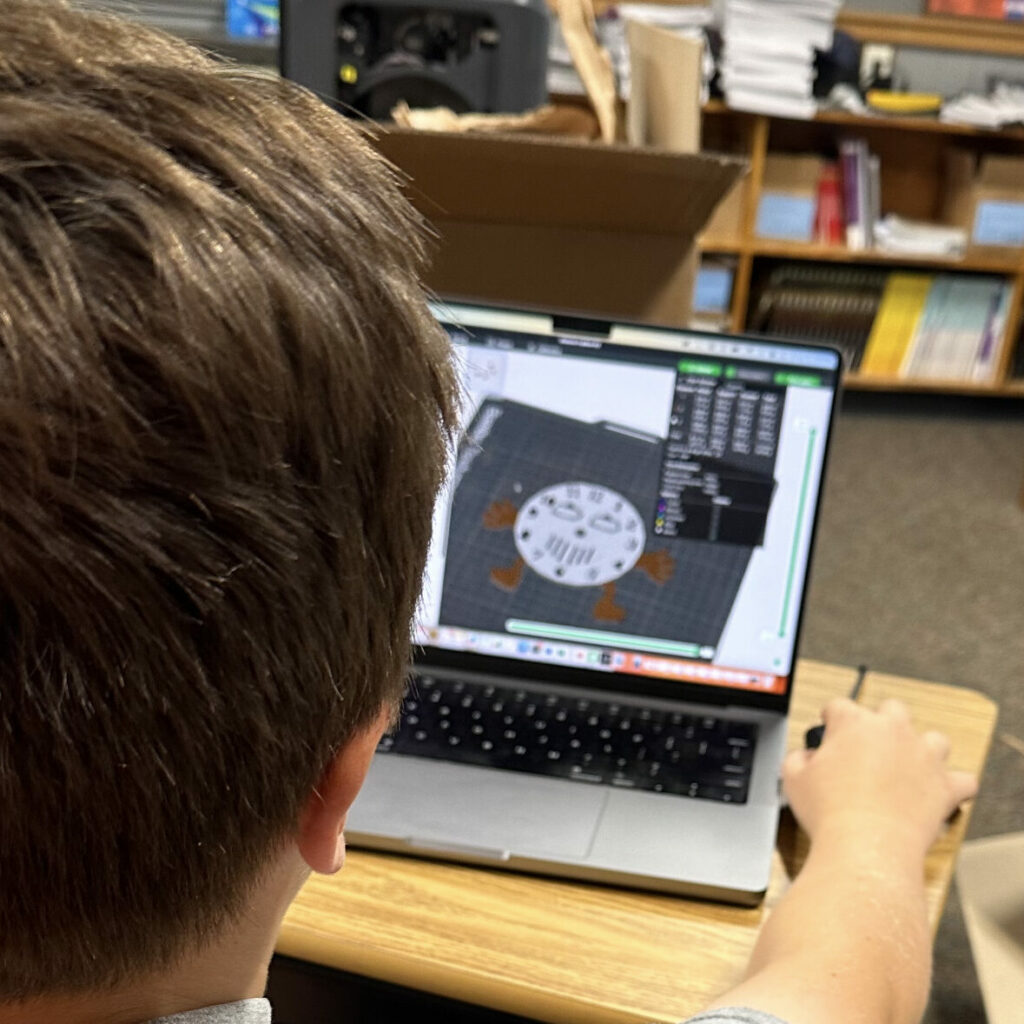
686,21
611,33
1003,106
768,58
562,78
917,238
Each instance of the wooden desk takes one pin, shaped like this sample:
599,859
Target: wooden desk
567,952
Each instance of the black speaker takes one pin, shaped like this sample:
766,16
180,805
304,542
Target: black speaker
363,56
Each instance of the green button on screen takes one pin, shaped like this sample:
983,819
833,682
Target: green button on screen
699,366
798,380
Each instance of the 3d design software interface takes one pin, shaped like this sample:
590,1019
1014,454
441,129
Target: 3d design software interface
631,509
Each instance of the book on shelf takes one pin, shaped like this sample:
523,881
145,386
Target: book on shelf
828,218
874,196
854,162
986,364
917,360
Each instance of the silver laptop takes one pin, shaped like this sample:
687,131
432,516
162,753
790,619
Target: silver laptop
611,606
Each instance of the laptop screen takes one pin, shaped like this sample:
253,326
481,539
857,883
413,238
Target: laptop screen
631,500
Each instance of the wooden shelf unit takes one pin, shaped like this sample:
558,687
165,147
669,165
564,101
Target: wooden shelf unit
914,149
936,32
861,382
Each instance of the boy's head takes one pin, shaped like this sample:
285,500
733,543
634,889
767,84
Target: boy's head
224,409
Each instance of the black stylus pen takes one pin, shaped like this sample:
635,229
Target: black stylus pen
814,735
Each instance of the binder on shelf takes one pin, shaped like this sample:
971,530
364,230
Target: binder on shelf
919,352
900,310
969,305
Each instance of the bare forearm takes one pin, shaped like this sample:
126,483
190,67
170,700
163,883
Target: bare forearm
848,944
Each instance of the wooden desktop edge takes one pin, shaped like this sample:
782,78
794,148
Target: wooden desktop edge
560,951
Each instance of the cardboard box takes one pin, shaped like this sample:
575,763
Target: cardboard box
725,226
789,197
586,228
665,67
986,198
580,227
998,214
665,86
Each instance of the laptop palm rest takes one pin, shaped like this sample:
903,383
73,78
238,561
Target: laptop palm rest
452,808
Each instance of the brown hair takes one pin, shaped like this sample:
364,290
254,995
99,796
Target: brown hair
224,412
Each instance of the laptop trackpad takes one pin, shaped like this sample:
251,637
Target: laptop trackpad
444,806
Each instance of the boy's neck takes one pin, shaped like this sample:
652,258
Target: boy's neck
229,969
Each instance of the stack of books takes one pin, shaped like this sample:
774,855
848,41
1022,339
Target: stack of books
924,326
939,327
835,305
863,227
768,53
839,203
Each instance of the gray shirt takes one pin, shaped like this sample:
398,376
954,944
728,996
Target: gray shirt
257,1011
248,1011
734,1015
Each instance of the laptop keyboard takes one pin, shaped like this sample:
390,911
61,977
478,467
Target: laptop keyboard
588,740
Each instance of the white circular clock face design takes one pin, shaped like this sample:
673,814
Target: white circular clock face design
579,534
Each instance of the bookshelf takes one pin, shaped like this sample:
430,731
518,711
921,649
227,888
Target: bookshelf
933,31
914,163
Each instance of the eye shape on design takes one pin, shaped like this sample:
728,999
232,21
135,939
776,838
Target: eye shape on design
604,522
569,511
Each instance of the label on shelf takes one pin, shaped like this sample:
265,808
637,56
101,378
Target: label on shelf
998,222
786,216
712,292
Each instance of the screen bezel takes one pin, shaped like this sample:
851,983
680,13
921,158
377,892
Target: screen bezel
429,658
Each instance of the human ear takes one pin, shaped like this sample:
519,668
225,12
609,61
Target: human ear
321,835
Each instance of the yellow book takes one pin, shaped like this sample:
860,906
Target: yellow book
895,324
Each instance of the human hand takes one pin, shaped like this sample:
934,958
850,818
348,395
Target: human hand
875,776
